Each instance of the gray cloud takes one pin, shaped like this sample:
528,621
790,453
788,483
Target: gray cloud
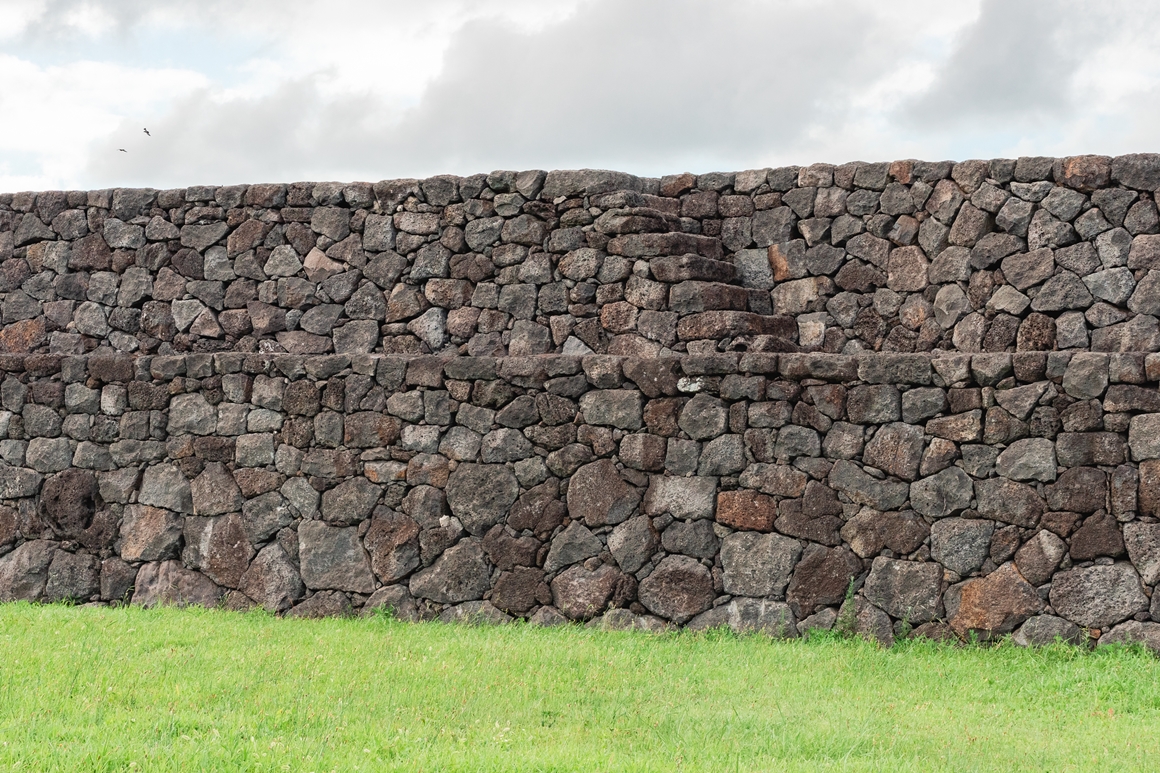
645,86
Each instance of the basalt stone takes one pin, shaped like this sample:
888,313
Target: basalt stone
350,502
821,578
393,544
72,577
691,538
1004,500
573,545
995,604
215,492
633,543
1098,536
460,574
24,571
746,510
168,583
678,589
758,564
1098,596
518,590
1079,490
506,551
961,545
896,449
333,558
69,502
597,495
1042,630
481,494
150,533
870,531
943,493
327,603
581,593
539,509
863,489
905,589
1039,557
272,580
218,547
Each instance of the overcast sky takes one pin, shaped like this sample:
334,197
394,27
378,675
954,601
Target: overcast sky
284,90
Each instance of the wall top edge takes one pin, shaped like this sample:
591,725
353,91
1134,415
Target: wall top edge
1139,171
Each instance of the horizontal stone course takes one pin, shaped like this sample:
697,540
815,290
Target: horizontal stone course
560,486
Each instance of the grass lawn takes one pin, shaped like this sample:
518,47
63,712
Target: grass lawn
132,689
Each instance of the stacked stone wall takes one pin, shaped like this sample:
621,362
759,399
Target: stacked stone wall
894,397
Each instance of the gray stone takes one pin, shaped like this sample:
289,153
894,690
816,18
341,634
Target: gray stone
691,538
961,545
272,581
350,502
73,577
1005,500
861,488
1086,376
905,589
1028,459
1098,596
480,494
163,485
1039,557
621,408
1063,291
474,613
1027,269
168,583
598,496
895,449
333,558
685,498
704,417
24,571
48,454
1143,543
263,516
573,545
1134,632
191,414
1042,630
1144,436
758,564
633,543
582,593
1113,285
215,492
678,589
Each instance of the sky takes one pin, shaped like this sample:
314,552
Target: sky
287,90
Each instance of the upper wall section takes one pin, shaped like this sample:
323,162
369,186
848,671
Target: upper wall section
909,256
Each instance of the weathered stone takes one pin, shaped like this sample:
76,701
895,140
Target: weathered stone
961,545
218,547
150,533
72,577
942,494
995,604
861,488
1039,557
581,593
326,603
822,578
169,583
1028,459
896,449
393,544
758,564
870,532
573,545
350,502
597,495
633,543
684,498
678,589
479,495
1042,630
1098,536
460,574
905,589
24,571
1098,596
1004,500
333,558
215,492
272,580
746,510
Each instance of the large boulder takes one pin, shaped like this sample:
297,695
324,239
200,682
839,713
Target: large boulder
907,590
333,558
758,564
460,574
1098,596
679,588
150,533
479,495
821,579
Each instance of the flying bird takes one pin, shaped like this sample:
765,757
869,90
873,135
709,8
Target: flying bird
122,150
147,132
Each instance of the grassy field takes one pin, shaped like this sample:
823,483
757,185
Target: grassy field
131,689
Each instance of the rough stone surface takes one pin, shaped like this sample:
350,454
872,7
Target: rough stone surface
1098,596
905,589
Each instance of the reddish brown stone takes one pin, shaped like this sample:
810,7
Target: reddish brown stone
24,336
794,521
506,551
1084,173
746,509
520,589
393,544
1079,490
660,415
996,604
821,579
254,481
539,509
730,324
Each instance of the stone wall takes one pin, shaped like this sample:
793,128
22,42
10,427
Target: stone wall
1029,255
896,397
747,489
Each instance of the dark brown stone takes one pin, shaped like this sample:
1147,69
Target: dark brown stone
821,578
393,544
678,589
508,552
581,594
870,531
24,336
538,509
794,521
518,590
597,495
1079,490
1100,535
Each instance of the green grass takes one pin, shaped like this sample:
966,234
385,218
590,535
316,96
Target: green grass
131,689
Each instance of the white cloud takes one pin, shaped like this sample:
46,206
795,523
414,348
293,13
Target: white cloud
368,89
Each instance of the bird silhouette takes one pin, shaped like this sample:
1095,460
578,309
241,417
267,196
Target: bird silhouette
147,132
122,150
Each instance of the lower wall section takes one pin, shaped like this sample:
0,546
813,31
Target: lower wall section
949,495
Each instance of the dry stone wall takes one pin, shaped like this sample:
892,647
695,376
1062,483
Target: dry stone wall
907,397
